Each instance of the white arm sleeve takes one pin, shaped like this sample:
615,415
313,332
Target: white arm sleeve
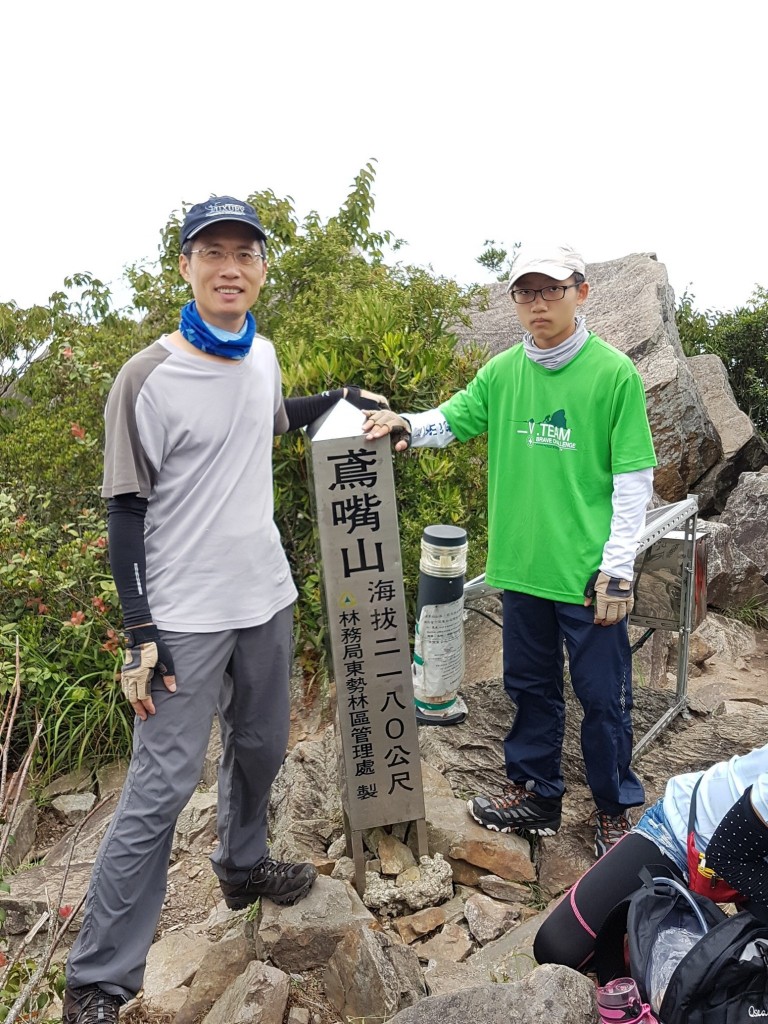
429,429
631,494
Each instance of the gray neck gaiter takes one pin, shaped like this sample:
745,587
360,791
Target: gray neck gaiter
554,358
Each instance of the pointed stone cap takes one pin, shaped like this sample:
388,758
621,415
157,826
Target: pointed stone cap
343,420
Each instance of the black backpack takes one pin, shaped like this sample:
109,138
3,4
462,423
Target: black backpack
722,979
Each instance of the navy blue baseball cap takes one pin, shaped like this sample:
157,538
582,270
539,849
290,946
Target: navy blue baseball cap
218,209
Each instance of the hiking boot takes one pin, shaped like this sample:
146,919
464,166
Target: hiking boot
279,881
517,810
90,1005
609,829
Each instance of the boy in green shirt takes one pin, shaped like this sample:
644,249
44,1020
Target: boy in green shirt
570,474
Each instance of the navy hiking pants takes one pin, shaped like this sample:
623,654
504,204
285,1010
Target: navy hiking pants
600,663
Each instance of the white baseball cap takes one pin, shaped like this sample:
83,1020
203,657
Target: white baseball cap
556,261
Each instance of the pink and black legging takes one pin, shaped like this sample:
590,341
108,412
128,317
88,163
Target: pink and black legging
568,934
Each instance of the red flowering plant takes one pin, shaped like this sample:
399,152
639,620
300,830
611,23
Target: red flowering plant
58,596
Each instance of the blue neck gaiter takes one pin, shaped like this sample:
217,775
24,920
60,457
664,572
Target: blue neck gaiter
214,340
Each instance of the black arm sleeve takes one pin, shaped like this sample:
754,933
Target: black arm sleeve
125,529
303,410
737,852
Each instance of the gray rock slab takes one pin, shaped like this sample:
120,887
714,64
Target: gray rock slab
368,976
727,637
452,944
488,919
442,977
743,447
21,834
305,935
173,961
305,803
551,994
434,782
296,1015
344,870
338,848
110,779
73,782
511,956
223,964
394,855
258,996
502,889
733,578
746,512
166,1004
73,807
87,841
32,889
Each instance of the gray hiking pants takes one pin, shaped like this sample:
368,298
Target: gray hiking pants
245,674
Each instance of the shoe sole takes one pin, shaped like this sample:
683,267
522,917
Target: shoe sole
539,830
286,900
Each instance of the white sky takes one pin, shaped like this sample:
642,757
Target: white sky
617,127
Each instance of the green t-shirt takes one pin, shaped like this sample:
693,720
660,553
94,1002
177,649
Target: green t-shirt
555,440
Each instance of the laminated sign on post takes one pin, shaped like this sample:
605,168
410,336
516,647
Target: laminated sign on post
354,492
438,649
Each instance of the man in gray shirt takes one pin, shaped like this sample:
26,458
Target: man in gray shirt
207,599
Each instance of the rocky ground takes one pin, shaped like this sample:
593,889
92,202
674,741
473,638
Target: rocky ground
192,892
728,670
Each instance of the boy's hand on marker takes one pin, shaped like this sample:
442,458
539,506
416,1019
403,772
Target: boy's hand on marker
383,422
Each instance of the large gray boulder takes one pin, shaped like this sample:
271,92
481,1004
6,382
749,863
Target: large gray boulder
553,994
369,976
746,512
733,579
258,996
743,448
303,936
633,307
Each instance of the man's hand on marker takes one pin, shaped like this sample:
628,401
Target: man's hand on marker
145,653
383,422
613,598
363,399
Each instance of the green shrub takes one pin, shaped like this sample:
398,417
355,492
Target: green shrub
740,338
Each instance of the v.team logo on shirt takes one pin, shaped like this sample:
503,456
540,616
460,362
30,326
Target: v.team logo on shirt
552,431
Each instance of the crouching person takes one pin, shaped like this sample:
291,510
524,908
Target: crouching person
709,830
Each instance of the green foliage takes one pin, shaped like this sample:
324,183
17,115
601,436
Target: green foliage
497,260
740,339
752,612
38,1007
51,418
57,595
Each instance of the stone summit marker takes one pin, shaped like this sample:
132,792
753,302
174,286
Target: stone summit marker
356,512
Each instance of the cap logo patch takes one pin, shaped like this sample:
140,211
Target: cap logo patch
226,209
